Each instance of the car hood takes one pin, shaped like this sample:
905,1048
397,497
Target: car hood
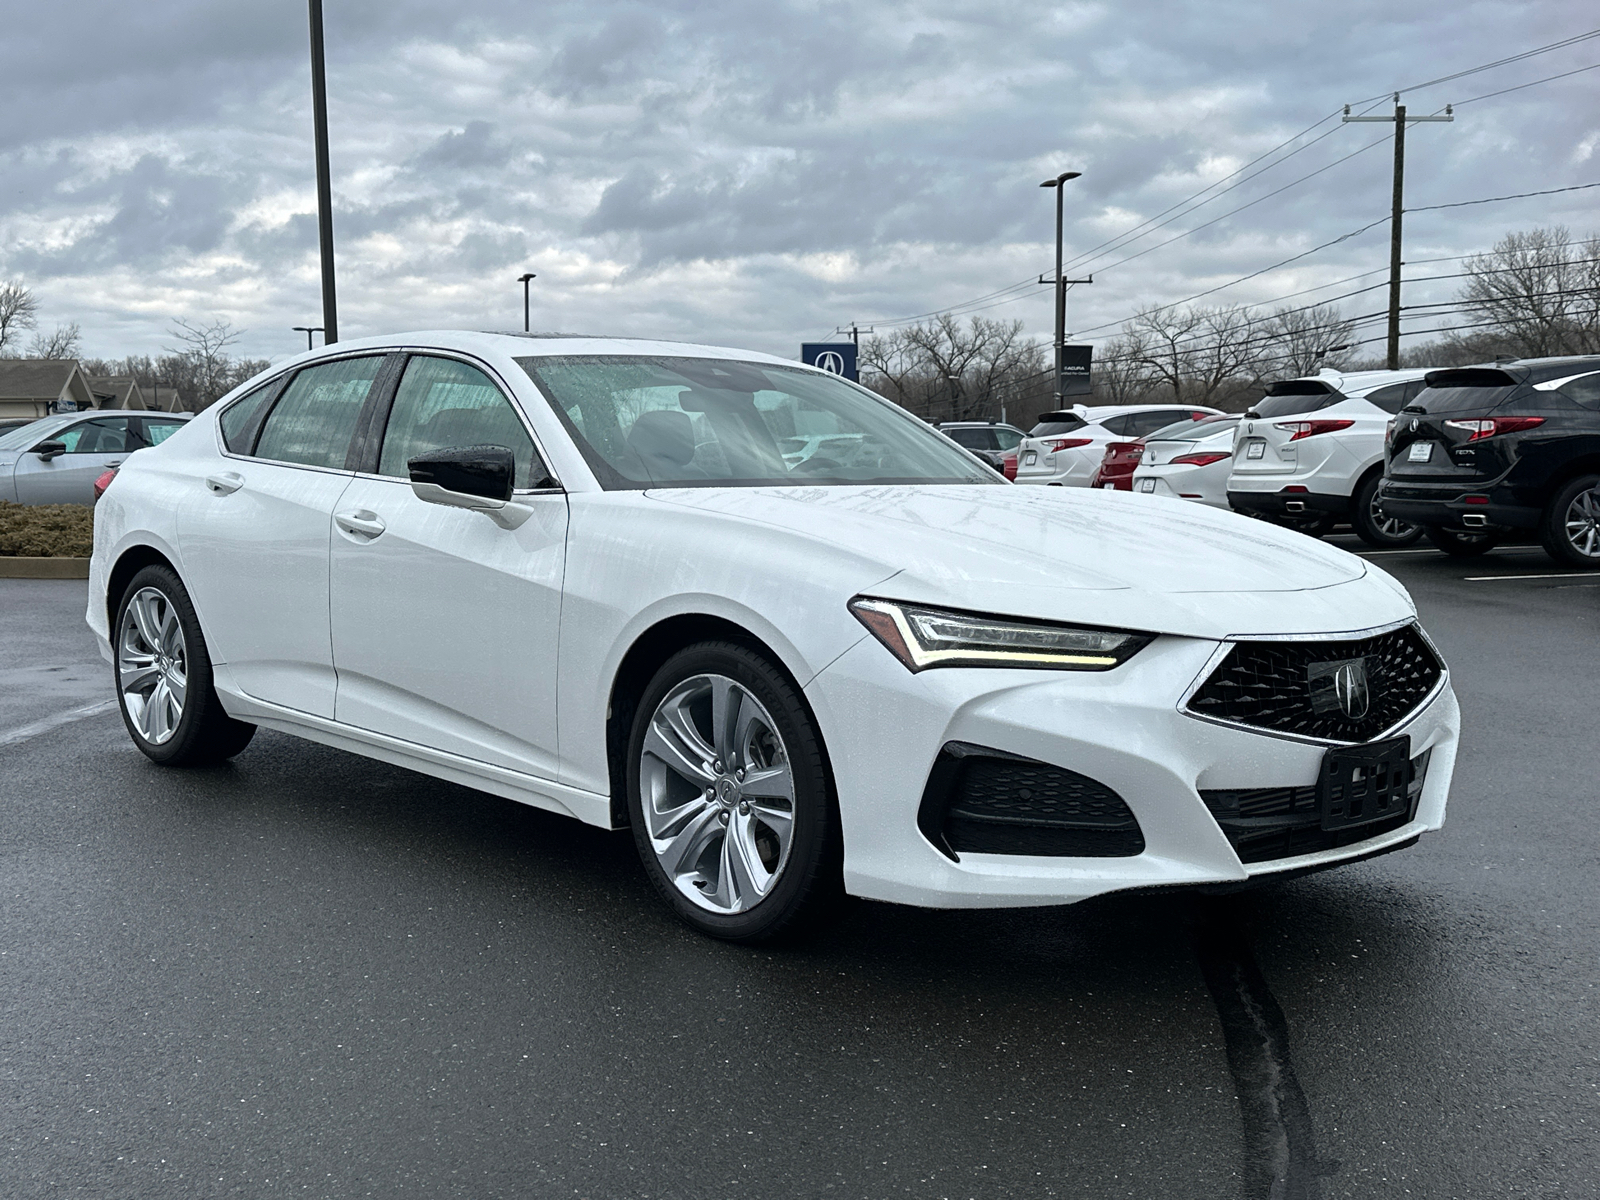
1099,557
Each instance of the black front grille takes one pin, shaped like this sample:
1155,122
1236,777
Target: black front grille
1263,824
986,801
1287,686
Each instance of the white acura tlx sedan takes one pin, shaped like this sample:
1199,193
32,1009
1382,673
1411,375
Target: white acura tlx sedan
581,573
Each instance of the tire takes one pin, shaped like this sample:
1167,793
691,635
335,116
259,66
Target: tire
1570,524
1461,545
711,836
161,666
1371,526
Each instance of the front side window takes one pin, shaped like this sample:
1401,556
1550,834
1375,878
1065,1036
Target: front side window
312,423
106,435
643,421
444,404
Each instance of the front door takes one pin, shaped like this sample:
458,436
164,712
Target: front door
255,531
444,624
92,446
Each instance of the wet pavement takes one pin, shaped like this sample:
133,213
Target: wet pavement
309,974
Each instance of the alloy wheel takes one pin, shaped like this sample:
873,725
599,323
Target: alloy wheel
717,793
1390,527
1583,523
152,665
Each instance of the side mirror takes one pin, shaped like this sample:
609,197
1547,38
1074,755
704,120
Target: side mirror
48,450
480,478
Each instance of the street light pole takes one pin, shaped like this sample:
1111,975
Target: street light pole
523,280
319,121
1059,183
308,330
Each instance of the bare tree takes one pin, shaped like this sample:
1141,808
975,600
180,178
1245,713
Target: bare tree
1301,341
944,370
18,311
1539,290
1199,355
1121,376
203,361
65,342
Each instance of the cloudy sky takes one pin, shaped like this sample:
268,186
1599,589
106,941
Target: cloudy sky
755,173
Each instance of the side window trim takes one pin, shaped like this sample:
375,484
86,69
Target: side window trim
371,425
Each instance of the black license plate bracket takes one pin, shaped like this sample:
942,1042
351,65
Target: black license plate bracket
1362,784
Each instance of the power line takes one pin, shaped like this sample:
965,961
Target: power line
1520,86
1499,62
1577,187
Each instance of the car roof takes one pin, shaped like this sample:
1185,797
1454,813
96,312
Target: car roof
541,345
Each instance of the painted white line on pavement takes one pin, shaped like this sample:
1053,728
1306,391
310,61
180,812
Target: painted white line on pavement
23,732
1557,575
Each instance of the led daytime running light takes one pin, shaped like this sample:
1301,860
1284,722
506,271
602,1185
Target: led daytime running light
923,638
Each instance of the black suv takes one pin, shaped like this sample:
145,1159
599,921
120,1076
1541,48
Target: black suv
1483,451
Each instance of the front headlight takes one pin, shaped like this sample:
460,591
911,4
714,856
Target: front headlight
922,638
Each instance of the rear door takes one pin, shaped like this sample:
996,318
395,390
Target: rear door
92,446
255,531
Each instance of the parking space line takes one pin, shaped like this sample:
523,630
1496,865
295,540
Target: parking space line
23,732
1555,575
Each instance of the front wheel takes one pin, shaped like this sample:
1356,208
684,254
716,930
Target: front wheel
1373,526
1462,545
1570,525
729,797
163,676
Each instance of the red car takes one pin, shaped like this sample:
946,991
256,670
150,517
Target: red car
1117,467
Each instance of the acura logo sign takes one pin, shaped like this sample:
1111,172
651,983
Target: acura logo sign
1350,688
831,361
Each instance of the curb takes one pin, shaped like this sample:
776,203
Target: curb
43,568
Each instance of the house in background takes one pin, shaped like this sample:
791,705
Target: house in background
37,387
118,391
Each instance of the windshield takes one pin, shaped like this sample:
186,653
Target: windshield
645,421
25,437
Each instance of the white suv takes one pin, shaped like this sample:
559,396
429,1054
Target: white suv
1066,447
1310,452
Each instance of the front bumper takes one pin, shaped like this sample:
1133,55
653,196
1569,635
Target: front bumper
886,727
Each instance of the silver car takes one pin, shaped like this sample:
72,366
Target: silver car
56,460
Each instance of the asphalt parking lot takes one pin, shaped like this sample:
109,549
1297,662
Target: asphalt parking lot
308,974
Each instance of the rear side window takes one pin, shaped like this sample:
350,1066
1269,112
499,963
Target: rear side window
443,404
156,432
312,423
1116,425
1585,390
1142,424
239,418
1390,398
972,439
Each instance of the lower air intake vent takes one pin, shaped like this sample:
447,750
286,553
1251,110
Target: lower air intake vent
1263,824
983,801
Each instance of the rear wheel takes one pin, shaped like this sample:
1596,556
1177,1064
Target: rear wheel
1372,526
1570,524
1462,545
163,676
728,796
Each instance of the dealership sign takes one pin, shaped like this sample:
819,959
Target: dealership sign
836,357
1075,376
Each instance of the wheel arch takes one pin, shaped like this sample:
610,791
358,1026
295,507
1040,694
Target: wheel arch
130,562
645,656
1582,464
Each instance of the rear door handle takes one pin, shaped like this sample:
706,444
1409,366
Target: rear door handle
362,522
225,484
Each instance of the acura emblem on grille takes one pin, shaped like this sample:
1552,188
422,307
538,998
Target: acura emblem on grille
1339,687
1350,686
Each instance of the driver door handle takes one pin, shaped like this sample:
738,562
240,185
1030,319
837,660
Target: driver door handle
225,484
361,522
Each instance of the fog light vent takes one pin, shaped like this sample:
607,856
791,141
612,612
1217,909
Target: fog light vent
984,801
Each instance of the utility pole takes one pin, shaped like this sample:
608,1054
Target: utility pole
1059,183
1396,212
855,333
319,121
